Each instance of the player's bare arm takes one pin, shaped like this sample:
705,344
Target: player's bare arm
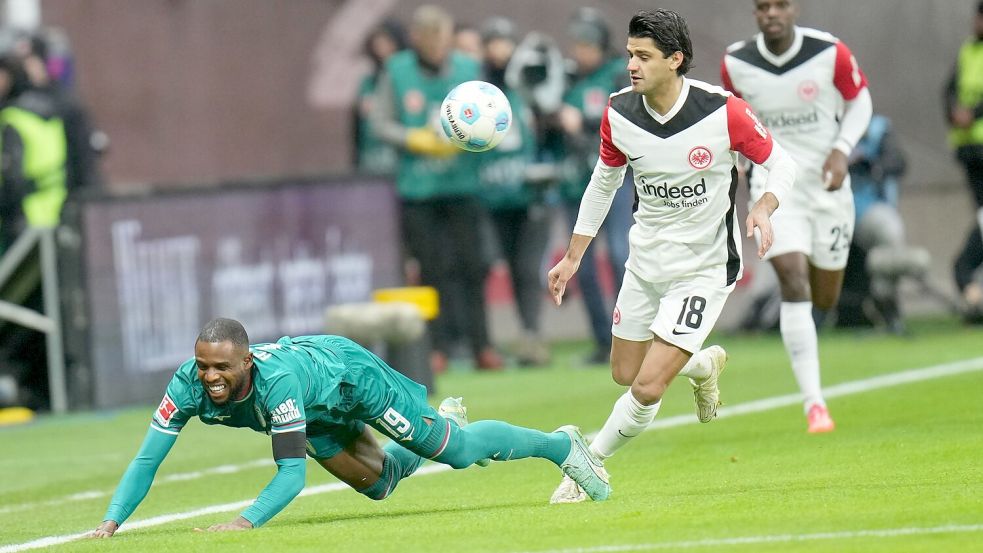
238,523
854,123
563,271
759,217
104,530
835,170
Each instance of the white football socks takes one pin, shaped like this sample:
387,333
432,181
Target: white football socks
802,345
695,368
627,420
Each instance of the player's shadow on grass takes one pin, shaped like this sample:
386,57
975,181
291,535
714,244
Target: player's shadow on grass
404,513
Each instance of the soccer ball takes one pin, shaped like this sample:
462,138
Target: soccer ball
475,116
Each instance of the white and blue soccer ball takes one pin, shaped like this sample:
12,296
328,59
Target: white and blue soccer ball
475,116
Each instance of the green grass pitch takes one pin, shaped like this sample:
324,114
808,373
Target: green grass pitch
902,472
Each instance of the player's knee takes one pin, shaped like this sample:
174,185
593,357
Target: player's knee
648,392
622,375
795,290
454,458
825,302
624,369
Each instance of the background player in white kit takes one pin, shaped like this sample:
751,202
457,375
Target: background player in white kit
809,91
681,138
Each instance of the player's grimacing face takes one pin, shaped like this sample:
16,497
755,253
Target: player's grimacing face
223,369
648,68
775,17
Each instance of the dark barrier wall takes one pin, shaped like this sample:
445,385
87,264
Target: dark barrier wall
158,267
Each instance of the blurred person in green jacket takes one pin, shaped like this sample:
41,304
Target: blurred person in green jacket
598,73
436,182
373,155
516,207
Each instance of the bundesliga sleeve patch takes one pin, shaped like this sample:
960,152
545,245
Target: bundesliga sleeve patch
165,412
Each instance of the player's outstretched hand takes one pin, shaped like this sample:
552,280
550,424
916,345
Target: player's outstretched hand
558,277
834,170
759,217
104,530
238,523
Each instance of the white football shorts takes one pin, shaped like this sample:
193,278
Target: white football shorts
680,312
817,223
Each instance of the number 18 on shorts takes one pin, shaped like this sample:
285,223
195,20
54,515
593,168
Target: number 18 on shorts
681,313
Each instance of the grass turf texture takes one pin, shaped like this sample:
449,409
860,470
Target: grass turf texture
901,457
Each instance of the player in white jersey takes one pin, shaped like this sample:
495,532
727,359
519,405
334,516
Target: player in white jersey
681,138
809,91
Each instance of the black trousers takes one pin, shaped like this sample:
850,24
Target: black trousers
523,234
442,234
971,256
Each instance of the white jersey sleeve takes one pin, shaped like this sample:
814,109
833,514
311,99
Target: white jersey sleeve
853,125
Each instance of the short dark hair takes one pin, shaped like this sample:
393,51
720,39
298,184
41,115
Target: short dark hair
669,32
224,330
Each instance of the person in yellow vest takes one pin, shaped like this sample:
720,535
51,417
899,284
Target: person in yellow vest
964,109
32,191
33,145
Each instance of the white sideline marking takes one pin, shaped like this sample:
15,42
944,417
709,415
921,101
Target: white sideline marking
847,388
777,538
177,477
838,390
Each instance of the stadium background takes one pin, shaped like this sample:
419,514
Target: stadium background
201,95
197,92
206,99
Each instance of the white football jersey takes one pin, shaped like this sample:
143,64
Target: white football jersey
684,166
799,97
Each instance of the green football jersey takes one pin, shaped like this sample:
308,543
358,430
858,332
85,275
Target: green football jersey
295,382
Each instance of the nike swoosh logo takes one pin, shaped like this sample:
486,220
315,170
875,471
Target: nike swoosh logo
625,435
677,333
636,158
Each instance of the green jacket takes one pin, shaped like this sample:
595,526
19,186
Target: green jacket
589,94
966,89
418,97
372,154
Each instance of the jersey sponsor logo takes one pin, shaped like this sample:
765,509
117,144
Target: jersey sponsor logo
165,412
700,157
790,120
285,412
616,316
808,90
687,196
